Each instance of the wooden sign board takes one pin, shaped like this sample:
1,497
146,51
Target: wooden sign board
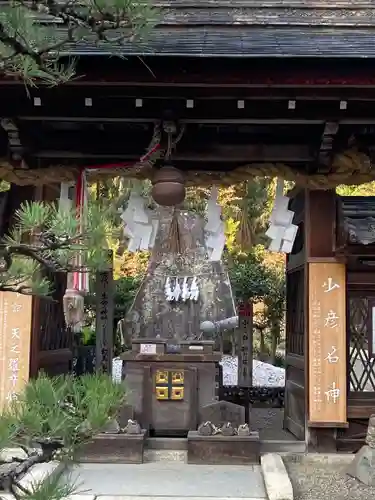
15,336
245,358
327,345
104,318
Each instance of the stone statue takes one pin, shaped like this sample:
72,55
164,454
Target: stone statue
208,429
228,430
152,314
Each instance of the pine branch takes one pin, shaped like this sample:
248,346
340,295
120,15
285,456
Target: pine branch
32,51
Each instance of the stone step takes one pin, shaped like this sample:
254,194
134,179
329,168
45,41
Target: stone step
165,443
170,481
165,456
147,497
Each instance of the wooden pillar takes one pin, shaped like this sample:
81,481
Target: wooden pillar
325,322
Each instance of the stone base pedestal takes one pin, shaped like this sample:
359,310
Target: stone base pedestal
223,450
115,449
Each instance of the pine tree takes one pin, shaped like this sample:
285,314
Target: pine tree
33,34
46,238
51,420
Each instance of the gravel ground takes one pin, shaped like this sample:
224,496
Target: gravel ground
322,479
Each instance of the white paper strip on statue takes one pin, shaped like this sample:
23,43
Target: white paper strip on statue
194,290
185,290
177,291
168,290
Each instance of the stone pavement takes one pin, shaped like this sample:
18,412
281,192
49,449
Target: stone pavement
168,481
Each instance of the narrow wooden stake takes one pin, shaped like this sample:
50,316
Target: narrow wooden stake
104,318
245,343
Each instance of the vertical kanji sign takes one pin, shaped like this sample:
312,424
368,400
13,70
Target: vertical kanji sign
104,318
15,334
245,358
327,344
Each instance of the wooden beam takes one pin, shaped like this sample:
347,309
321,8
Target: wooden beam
214,153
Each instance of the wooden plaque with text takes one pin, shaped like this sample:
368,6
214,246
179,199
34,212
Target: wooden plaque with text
15,333
327,345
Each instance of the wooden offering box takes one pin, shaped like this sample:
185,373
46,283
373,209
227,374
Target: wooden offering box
167,390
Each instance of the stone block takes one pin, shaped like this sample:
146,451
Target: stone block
39,473
115,448
363,466
223,450
125,413
276,479
222,412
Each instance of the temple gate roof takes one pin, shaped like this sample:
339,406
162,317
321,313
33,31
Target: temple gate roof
251,28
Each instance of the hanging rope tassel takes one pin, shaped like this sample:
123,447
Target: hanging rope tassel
245,234
73,301
175,243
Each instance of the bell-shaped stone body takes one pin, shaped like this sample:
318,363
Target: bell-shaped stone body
152,315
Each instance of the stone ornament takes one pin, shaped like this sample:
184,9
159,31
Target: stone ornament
111,427
132,427
227,429
208,429
243,430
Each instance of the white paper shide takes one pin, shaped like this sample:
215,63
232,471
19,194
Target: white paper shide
214,228
282,231
139,225
181,289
